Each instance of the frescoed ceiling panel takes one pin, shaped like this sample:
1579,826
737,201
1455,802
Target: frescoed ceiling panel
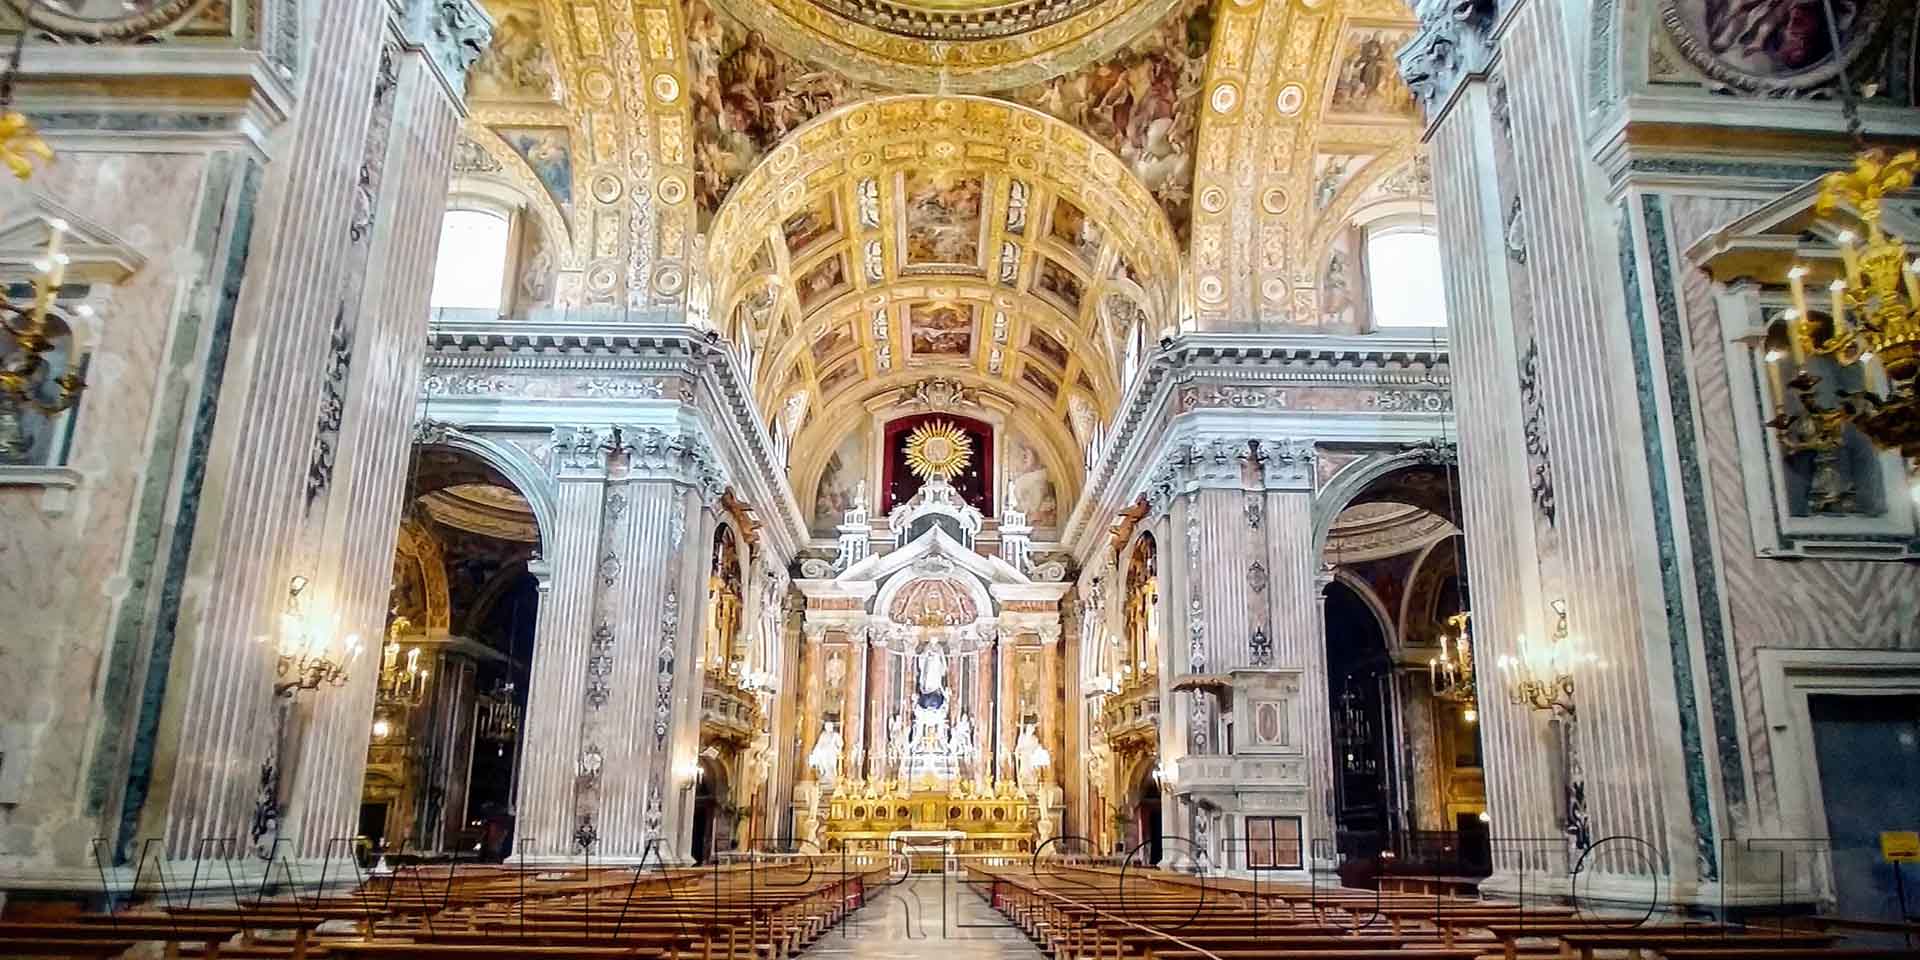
1161,162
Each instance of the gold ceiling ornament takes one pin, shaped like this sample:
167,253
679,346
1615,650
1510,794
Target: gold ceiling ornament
938,450
958,45
1868,325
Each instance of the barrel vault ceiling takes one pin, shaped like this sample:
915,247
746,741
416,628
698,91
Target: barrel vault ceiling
865,193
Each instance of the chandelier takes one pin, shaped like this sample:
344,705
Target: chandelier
402,686
498,716
307,655
1868,326
1541,676
1451,673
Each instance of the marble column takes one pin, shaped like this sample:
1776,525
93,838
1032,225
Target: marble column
303,472
1507,135
551,753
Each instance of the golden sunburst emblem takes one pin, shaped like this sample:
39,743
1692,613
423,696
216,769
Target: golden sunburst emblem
938,450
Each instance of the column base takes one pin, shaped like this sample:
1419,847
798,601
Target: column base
1636,895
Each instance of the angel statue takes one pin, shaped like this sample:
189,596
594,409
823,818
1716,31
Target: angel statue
960,738
825,758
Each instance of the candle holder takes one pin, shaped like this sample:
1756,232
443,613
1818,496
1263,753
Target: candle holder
307,658
1869,322
1451,673
29,382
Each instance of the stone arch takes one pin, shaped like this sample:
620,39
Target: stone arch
529,478
1355,478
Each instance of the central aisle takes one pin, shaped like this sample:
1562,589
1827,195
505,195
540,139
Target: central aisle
905,922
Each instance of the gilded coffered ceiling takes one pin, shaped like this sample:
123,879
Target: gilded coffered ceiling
864,192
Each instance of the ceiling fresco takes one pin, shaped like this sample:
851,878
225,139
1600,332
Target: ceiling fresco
865,193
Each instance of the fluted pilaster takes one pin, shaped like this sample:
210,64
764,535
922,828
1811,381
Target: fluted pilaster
556,695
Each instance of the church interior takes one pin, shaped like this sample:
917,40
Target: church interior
1345,444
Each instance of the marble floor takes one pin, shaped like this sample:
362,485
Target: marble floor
925,917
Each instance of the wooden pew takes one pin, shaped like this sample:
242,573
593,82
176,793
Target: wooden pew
210,936
25,947
1638,944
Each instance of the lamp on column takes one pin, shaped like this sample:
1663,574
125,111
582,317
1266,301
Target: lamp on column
1541,676
308,658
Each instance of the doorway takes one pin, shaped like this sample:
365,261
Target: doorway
1868,752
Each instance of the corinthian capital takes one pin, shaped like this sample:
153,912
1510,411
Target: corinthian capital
454,34
680,456
1287,464
1454,42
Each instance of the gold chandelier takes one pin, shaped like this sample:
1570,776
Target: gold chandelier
1451,673
1868,326
36,324
403,686
938,451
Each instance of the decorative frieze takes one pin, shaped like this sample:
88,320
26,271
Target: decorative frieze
1539,467
599,666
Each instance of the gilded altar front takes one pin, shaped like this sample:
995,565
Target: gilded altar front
996,819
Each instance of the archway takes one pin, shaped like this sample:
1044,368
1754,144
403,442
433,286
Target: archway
711,819
1147,838
444,746
1406,756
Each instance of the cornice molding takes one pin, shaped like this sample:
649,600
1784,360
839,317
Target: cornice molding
715,391
1150,425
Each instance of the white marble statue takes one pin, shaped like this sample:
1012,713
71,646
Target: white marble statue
1026,750
933,668
960,738
825,758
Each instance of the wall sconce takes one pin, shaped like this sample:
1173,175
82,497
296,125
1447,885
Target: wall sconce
34,325
307,658
1541,676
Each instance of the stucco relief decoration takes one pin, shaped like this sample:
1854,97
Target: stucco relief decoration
1772,47
457,34
599,666
939,393
1540,474
333,408
664,663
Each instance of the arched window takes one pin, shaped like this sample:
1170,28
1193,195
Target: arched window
471,273
1403,277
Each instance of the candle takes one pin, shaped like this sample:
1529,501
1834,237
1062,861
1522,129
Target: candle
1779,403
1847,253
1912,276
1839,290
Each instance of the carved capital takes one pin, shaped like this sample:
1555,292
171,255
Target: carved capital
682,457
452,33
578,453
1287,464
1455,41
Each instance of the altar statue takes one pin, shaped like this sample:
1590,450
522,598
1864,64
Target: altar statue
1025,750
933,668
960,739
825,758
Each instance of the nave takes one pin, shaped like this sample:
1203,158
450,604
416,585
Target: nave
819,909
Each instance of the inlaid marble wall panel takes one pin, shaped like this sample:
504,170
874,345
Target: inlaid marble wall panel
1811,603
80,566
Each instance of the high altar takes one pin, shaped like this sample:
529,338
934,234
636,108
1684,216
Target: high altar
933,712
